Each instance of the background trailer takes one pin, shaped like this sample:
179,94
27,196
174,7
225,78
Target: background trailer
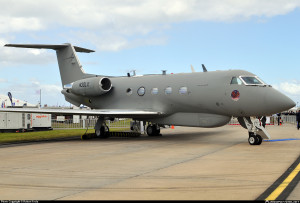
24,121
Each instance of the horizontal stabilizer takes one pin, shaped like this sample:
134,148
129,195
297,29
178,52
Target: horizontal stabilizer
48,46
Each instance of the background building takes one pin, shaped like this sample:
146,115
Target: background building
5,101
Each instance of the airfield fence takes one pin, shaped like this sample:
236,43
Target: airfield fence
291,119
124,124
287,119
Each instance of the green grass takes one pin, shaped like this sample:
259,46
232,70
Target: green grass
42,135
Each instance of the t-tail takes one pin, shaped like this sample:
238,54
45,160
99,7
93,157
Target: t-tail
69,65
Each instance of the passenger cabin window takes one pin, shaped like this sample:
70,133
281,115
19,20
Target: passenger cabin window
250,80
141,91
129,91
183,90
236,81
168,90
154,91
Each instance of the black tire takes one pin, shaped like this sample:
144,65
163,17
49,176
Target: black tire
158,132
153,131
259,139
98,133
101,133
150,130
252,140
84,137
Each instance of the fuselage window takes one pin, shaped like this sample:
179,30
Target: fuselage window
236,81
154,91
141,91
129,91
183,90
252,81
168,90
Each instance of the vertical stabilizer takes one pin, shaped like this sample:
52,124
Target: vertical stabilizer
69,65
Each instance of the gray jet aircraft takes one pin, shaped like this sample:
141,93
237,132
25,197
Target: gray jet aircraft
199,99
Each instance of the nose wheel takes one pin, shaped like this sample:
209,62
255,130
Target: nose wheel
254,139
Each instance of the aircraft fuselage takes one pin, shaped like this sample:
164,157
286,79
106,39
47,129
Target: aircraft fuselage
195,95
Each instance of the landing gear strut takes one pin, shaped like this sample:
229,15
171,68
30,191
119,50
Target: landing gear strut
101,129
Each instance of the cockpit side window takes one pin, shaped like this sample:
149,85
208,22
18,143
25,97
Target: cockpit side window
236,81
250,80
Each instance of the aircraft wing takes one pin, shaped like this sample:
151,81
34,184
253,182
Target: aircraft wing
120,113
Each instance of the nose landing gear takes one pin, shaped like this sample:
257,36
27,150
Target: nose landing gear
256,132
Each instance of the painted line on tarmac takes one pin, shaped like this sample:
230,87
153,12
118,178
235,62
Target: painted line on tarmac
284,185
278,140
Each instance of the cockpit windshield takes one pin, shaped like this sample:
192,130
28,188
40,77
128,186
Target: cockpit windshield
247,80
236,81
252,80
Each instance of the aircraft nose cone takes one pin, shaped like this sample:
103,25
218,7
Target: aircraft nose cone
278,102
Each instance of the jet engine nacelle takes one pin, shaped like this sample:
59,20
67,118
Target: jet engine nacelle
91,86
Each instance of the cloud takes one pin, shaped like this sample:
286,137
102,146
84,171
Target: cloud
3,80
123,24
9,56
17,24
292,88
142,16
49,89
115,42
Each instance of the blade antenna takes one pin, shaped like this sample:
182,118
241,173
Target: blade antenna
204,68
192,68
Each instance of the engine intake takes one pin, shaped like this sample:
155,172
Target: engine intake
91,86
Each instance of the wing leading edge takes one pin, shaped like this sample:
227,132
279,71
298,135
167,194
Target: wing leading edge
104,112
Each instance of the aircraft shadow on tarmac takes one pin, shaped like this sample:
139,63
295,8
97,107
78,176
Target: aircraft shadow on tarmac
206,137
168,137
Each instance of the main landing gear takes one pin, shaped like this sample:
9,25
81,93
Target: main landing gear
256,132
153,130
101,130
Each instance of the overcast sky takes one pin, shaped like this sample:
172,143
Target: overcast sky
260,36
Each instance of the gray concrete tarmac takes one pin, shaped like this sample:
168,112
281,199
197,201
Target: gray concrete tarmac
185,163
